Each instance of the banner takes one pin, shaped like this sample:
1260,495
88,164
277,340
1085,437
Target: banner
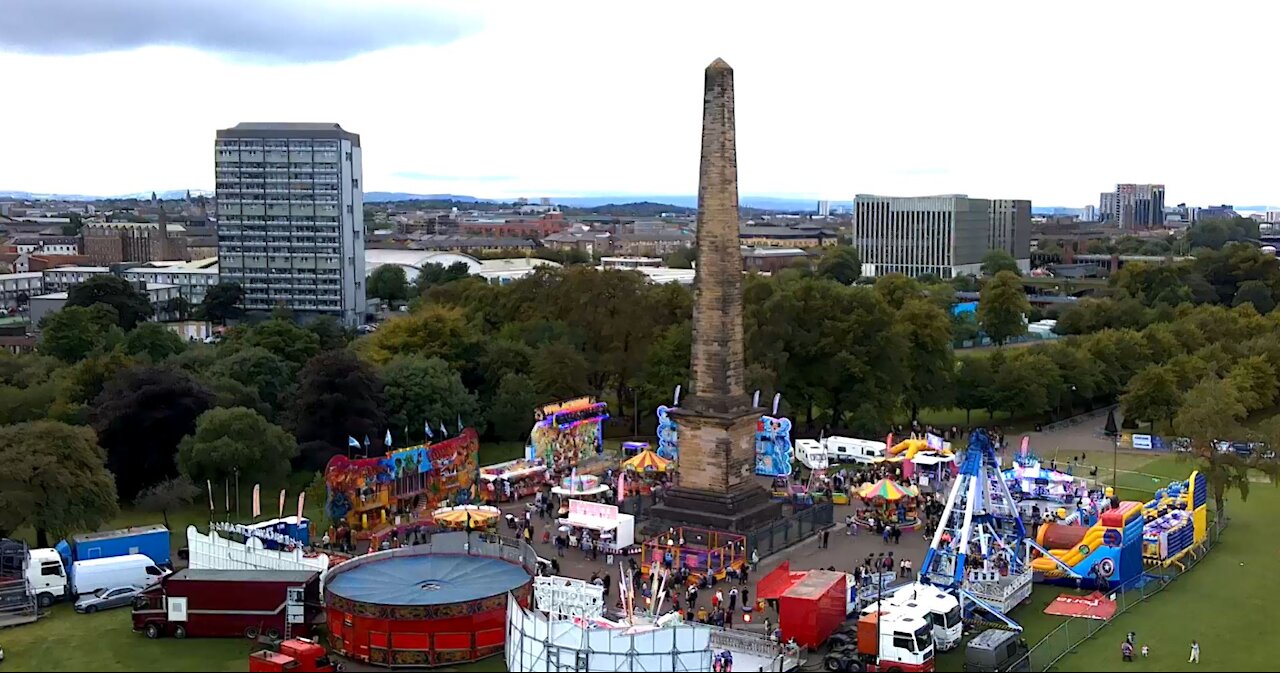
281,514
209,484
1142,442
302,499
1093,606
257,502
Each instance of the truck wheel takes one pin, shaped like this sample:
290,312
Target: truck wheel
251,632
179,632
45,600
152,631
832,663
273,633
894,669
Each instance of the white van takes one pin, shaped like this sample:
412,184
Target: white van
116,571
854,450
46,579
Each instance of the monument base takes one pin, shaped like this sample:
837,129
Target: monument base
740,510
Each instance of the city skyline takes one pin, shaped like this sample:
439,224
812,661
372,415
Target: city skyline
507,100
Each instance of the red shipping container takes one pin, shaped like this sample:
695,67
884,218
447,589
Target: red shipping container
812,608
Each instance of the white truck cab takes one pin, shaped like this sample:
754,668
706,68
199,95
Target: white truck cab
46,578
936,607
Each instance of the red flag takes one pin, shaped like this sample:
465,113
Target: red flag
1026,442
888,441
281,514
257,502
302,499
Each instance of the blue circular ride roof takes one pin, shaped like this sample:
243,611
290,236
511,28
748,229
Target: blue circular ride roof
437,579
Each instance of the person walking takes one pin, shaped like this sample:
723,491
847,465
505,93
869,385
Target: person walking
1126,651
826,539
1195,653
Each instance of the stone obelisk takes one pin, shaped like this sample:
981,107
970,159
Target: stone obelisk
717,420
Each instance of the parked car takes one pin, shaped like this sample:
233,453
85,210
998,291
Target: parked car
105,599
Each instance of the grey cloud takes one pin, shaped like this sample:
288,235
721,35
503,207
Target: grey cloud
272,31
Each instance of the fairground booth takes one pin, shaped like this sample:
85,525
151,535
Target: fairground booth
388,494
643,471
467,517
704,552
565,433
888,503
609,530
514,479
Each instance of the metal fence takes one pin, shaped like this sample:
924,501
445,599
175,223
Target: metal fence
787,531
1072,633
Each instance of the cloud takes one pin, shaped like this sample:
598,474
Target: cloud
270,31
414,175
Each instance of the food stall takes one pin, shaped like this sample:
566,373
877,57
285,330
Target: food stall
514,479
612,530
463,517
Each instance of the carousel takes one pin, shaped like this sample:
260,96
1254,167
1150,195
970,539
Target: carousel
467,517
580,486
643,471
886,502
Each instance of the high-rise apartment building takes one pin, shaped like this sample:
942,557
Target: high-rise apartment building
1107,206
291,217
1139,206
824,208
1089,214
943,235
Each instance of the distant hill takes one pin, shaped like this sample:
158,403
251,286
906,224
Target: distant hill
383,197
168,195
637,209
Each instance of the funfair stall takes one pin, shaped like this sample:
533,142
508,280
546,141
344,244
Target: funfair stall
773,447
514,479
565,433
604,524
704,552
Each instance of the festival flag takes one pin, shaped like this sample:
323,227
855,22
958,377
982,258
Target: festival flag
426,430
257,503
281,514
622,486
366,446
1026,445
444,432
302,500
459,423
352,442
388,438
209,484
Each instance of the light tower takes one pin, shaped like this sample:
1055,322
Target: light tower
979,548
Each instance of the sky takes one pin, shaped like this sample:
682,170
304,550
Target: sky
1054,102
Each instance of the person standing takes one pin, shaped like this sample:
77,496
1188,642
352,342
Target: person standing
826,539
1195,653
1126,651
733,598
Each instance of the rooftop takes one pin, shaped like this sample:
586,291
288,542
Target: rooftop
123,532
245,575
289,130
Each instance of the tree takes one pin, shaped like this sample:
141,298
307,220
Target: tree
840,263
1257,293
53,480
153,341
280,337
560,371
222,302
330,332
997,260
140,417
388,283
1024,384
682,258
930,364
271,376
896,289
1254,380
422,389
1152,394
432,275
84,381
132,306
1212,411
166,496
975,379
74,332
1002,306
512,409
431,331
339,396
228,442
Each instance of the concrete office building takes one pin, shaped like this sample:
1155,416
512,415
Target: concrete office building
291,217
1089,214
943,235
1139,206
824,208
1107,206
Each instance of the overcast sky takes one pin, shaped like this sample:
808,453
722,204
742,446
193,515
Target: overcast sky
1049,101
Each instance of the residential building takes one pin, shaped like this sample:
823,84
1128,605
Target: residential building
630,262
654,243
475,243
1089,214
15,287
192,281
536,228
1271,216
60,279
1010,227
588,241
116,242
772,259
1139,206
945,235
163,297
1213,213
1107,206
291,217
786,237
47,245
824,208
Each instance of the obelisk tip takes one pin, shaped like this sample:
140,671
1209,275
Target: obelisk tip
719,64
